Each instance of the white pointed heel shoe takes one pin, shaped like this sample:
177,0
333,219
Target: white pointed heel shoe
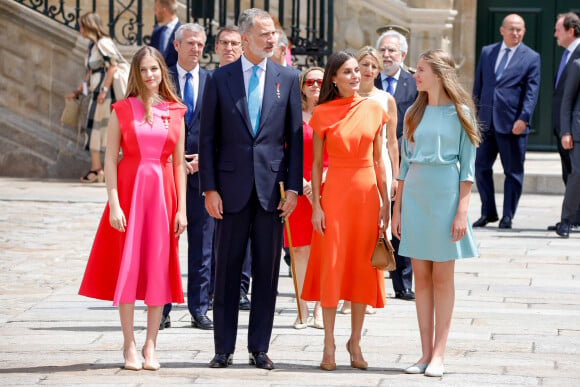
417,368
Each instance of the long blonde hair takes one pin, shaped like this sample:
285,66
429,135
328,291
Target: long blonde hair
92,24
443,66
136,87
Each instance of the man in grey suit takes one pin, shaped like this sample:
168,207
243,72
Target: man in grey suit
567,34
401,85
570,141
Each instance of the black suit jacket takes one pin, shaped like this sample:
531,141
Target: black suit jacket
170,55
192,130
233,161
405,95
559,91
570,110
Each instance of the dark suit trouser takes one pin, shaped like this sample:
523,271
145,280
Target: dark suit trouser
264,229
200,228
402,277
512,152
564,159
571,202
246,273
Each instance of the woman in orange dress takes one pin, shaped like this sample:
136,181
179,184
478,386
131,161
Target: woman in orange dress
348,216
300,220
134,255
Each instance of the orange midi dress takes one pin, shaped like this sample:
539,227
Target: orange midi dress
339,267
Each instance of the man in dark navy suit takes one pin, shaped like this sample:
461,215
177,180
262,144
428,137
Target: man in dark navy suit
392,45
164,33
250,140
228,47
506,87
189,79
567,34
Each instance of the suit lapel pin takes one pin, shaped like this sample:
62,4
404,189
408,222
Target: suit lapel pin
278,90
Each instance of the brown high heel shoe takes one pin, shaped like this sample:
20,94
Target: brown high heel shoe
360,364
328,366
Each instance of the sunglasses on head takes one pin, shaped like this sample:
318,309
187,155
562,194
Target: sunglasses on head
311,82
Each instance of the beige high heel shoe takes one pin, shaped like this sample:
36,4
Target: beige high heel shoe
150,365
328,366
131,366
360,364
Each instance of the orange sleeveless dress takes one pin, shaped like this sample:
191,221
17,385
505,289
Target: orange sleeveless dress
339,267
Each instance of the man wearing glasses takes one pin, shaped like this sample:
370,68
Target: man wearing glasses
228,45
401,85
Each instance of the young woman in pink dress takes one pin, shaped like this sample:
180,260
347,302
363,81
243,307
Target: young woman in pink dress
134,255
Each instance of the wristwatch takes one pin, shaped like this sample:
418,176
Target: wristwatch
104,89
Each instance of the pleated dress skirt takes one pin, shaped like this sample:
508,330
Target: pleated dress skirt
429,205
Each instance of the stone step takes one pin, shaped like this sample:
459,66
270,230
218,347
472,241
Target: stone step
542,174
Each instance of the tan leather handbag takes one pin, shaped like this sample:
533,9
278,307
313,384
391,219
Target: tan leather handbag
383,257
71,112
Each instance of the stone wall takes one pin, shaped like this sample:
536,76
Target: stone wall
446,24
42,60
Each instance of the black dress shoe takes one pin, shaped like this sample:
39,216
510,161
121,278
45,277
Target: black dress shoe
221,360
244,302
573,227
261,360
165,322
485,219
406,294
201,321
563,229
505,222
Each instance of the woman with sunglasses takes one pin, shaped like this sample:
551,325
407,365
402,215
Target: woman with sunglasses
300,220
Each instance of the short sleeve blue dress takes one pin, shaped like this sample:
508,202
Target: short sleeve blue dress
432,167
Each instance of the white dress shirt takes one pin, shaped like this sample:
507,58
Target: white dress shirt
261,73
502,53
395,82
181,74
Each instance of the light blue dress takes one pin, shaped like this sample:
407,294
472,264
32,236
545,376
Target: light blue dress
432,167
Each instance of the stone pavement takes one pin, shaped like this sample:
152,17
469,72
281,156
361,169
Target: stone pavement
516,321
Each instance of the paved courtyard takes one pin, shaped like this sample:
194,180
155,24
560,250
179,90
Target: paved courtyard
516,321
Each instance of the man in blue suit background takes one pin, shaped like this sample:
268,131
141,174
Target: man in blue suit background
392,45
506,87
164,33
250,140
189,79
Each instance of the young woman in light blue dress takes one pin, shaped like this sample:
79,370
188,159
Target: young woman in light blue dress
430,212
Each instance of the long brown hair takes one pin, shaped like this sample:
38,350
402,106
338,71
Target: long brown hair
443,66
136,87
92,24
328,90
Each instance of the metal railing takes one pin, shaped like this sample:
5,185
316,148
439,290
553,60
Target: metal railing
311,38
